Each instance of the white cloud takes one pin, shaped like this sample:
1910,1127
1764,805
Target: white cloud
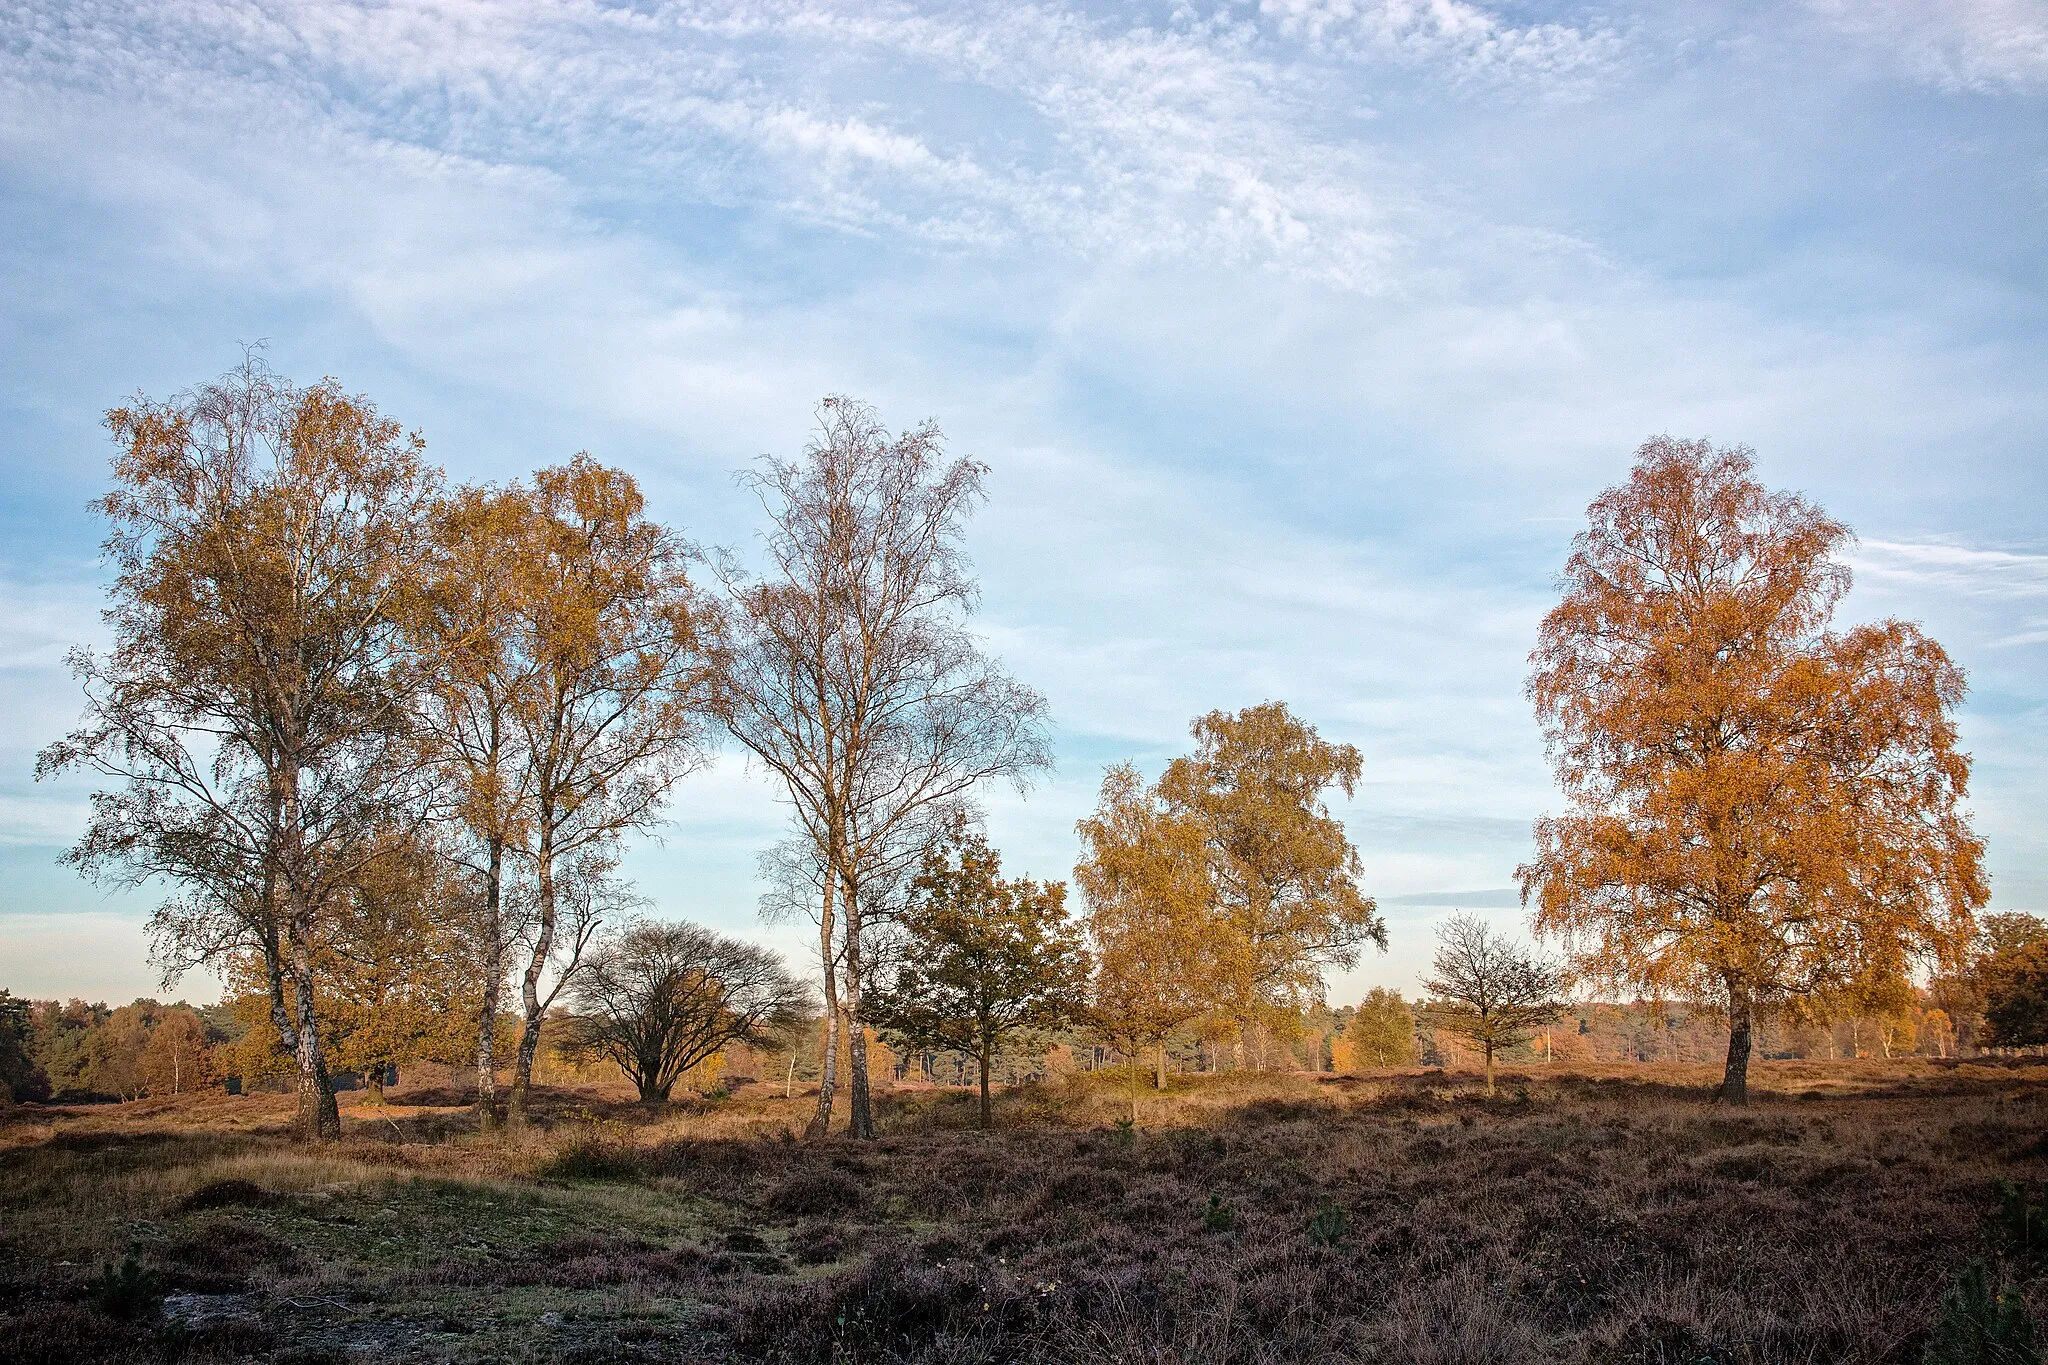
1954,44
1470,41
1947,567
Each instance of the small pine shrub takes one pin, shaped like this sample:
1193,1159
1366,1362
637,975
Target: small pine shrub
1126,1132
2020,1226
1976,1326
1327,1228
1219,1216
127,1291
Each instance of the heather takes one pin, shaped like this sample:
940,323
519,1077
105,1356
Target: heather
1587,1213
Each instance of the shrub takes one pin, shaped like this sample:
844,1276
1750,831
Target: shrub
2020,1227
221,1194
815,1194
1978,1327
598,1149
127,1291
1327,1227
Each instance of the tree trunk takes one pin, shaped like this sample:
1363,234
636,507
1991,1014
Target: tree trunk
1159,1070
860,1119
1488,1049
828,1063
1735,1079
373,1079
988,1119
319,1117
494,984
1132,1068
529,982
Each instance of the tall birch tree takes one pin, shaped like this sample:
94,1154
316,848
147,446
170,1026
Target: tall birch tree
254,706
467,621
852,677
619,706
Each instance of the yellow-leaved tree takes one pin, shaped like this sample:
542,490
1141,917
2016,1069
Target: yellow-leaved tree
1143,873
1282,873
1760,806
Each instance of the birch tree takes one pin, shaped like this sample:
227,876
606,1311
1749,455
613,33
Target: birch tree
852,678
1488,990
1282,870
253,708
467,621
1760,807
1144,873
619,707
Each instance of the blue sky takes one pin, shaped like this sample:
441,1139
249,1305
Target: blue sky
1298,335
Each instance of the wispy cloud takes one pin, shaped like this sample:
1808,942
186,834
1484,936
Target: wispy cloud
1194,138
1942,566
1954,44
1473,43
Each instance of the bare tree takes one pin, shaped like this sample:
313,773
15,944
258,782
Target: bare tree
657,999
853,679
254,707
1489,990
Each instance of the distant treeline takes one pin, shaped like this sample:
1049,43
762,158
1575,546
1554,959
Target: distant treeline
74,1051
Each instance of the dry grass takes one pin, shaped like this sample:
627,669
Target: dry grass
1593,1214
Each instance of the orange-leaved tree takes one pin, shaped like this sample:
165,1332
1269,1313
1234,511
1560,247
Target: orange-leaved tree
1759,806
466,620
252,710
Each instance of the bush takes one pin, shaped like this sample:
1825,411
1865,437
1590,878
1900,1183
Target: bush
127,1291
598,1149
815,1194
1977,1327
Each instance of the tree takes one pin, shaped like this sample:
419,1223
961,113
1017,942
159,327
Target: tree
1282,871
253,707
623,673
983,957
21,1077
2016,995
1759,806
658,999
851,676
466,619
1144,872
1382,1032
1937,1035
1489,991
402,973
176,1059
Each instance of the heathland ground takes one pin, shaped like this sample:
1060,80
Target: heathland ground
1589,1214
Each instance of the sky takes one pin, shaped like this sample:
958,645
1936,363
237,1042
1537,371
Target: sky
1297,335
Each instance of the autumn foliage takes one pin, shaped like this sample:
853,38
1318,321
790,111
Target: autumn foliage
1760,806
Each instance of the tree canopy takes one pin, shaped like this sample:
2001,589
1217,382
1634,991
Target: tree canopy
1758,805
983,956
